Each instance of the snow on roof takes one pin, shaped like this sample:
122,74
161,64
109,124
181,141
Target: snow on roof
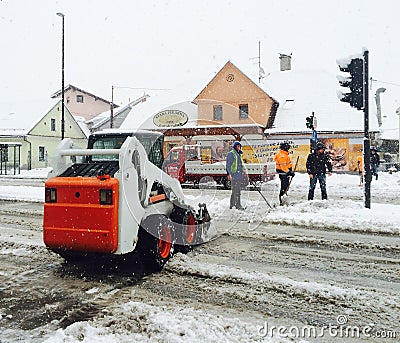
300,93
11,143
82,124
104,117
13,132
141,116
23,114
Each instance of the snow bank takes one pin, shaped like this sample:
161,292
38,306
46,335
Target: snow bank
139,322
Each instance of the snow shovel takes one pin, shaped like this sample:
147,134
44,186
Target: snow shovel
285,196
259,191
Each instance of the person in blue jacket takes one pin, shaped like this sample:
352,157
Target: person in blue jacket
235,170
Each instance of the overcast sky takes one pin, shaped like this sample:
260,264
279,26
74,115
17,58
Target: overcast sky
164,44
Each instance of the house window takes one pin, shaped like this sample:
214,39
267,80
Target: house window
79,98
217,112
52,124
42,153
243,111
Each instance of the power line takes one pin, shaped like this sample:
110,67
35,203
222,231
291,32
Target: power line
143,88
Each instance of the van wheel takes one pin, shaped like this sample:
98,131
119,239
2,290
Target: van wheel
156,242
186,233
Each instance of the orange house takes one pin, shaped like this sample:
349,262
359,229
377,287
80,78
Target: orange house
233,98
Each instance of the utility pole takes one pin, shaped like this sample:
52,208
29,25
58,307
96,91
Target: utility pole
62,77
367,152
398,113
112,108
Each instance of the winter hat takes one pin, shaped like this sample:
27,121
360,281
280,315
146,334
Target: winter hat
236,143
285,146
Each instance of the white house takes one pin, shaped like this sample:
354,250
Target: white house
37,136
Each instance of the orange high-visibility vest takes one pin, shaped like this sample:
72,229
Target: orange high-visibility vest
282,161
360,163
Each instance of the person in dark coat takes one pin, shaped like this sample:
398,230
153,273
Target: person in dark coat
317,163
235,170
375,160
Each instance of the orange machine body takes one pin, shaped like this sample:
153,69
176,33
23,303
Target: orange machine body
77,217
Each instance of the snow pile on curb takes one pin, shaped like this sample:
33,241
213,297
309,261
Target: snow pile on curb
339,215
139,322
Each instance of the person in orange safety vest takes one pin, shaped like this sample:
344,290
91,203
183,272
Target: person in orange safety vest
283,168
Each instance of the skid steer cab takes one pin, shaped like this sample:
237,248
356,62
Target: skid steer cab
114,198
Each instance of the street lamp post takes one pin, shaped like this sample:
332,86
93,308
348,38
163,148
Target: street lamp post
62,76
378,104
398,113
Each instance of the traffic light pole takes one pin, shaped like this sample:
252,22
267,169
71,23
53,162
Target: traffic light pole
367,153
357,83
311,123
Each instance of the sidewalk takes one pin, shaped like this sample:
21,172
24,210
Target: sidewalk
39,173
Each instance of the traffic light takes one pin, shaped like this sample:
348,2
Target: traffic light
355,67
310,122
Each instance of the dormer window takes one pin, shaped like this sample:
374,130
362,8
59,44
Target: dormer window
79,98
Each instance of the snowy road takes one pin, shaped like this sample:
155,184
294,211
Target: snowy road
261,272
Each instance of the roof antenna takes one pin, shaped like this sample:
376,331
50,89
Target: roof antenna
261,72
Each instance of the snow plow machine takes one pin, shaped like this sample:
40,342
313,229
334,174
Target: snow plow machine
114,198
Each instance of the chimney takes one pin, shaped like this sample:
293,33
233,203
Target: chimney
286,62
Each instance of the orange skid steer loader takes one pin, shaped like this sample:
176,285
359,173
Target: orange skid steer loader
114,198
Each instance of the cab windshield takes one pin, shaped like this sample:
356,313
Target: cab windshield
152,144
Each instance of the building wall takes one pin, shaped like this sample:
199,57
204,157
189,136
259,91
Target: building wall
343,150
89,108
231,88
49,144
42,135
30,150
46,134
44,127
